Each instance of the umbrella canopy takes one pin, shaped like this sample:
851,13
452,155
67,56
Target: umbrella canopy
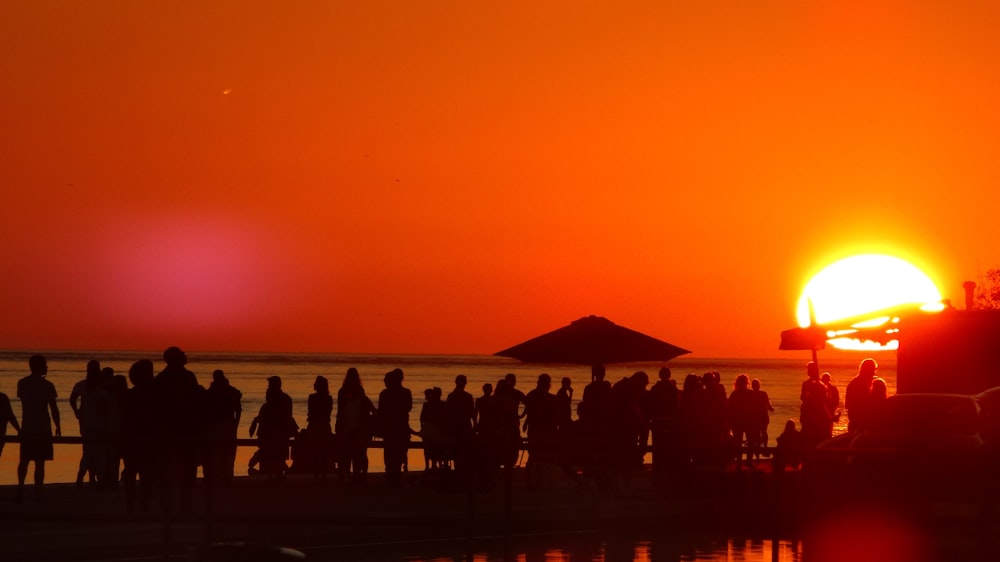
593,340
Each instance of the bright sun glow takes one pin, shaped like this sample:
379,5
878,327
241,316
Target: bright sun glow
860,285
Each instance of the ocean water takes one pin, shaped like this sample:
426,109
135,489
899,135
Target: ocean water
248,372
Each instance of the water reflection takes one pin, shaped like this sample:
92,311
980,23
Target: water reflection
584,548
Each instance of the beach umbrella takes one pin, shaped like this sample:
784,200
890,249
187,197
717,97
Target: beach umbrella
593,340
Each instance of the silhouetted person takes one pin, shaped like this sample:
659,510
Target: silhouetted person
138,449
355,413
394,405
483,404
223,410
832,393
434,430
741,415
38,400
788,452
313,449
461,419
628,420
541,425
879,395
564,403
461,409
716,421
89,405
814,414
6,417
762,409
595,401
178,424
118,387
664,414
506,436
693,421
274,426
857,398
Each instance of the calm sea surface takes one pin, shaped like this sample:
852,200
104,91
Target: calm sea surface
248,372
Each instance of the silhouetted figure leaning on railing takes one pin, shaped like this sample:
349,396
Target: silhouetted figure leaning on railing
274,426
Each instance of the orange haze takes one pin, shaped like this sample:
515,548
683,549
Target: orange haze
459,176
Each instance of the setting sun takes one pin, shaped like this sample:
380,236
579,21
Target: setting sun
861,287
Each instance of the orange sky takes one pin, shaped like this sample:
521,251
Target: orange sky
459,176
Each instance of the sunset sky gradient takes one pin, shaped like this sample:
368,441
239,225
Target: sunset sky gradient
456,177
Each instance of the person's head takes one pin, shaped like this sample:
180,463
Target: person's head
708,380
38,365
274,382
219,377
879,390
429,394
867,368
321,385
352,379
812,370
141,372
461,381
107,375
597,372
755,384
511,379
664,373
174,357
692,383
544,382
742,381
789,426
487,389
567,382
394,378
93,368
825,377
640,379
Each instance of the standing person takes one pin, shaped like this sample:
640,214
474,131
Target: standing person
354,427
483,405
38,400
84,400
317,438
664,421
138,453
541,426
177,404
223,410
595,401
6,417
832,394
740,411
857,397
564,404
461,408
394,405
762,409
814,415
116,421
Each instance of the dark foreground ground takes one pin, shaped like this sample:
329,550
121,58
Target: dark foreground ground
336,520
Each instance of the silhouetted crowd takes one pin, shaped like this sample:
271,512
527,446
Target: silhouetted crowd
153,436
